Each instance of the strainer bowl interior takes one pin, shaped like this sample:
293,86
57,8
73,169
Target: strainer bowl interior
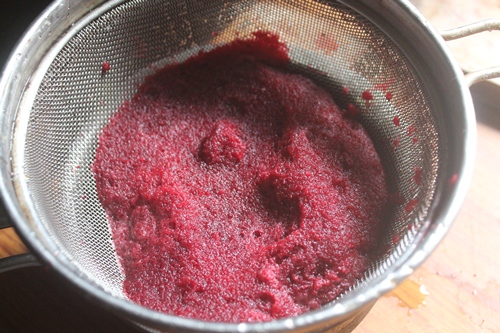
365,45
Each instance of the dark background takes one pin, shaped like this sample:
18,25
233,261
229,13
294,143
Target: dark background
37,299
15,18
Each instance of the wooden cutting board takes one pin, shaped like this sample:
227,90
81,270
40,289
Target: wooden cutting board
456,290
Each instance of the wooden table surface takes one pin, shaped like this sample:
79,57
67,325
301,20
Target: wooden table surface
456,290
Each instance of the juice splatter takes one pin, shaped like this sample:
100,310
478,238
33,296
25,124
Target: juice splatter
411,205
396,142
418,176
396,120
327,43
352,111
411,130
105,67
384,86
367,95
453,179
396,239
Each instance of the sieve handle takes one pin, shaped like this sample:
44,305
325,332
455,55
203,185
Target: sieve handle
472,29
4,218
18,261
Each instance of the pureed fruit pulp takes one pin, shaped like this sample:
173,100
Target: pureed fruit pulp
236,190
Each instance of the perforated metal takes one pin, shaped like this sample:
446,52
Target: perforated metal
328,42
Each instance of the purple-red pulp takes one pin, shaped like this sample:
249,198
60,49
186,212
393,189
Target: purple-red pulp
238,191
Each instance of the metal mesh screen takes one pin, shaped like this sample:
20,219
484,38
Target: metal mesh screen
328,42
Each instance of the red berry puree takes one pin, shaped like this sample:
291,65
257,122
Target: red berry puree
236,190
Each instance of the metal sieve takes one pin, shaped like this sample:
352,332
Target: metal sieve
56,99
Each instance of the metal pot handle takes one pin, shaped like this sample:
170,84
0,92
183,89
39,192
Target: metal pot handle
4,218
472,29
18,260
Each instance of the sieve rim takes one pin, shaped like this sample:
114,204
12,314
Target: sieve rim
401,269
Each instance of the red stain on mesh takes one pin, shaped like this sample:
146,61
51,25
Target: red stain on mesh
396,120
367,95
395,143
411,205
453,179
327,43
352,111
411,130
345,90
388,96
396,239
418,176
384,86
106,66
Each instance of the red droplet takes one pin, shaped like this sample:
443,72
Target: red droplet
453,179
411,205
411,130
395,239
352,110
418,176
396,120
345,90
388,96
215,34
396,142
367,95
414,140
384,85
327,43
105,66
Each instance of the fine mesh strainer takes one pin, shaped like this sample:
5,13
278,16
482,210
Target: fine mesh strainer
56,99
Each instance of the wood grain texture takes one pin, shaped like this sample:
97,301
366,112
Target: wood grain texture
10,244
